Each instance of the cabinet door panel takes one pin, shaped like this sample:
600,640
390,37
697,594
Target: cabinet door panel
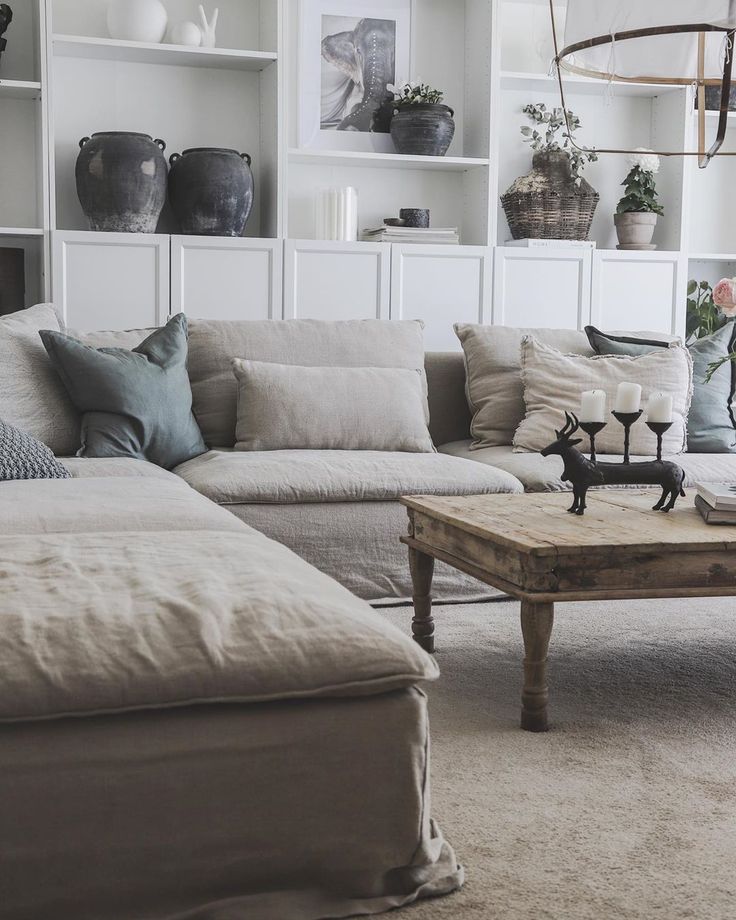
334,281
441,285
229,279
639,291
111,280
542,287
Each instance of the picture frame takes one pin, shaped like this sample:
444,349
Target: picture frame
349,51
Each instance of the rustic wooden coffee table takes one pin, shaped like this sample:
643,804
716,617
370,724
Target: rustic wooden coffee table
530,548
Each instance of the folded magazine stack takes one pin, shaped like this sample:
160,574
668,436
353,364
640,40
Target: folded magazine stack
716,501
385,234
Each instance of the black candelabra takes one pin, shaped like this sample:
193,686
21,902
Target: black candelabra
584,473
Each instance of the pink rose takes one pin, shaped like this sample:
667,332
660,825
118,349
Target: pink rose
724,296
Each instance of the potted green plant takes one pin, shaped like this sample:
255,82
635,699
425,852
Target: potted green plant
553,201
637,212
421,125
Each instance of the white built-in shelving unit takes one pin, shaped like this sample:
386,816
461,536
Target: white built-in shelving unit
63,78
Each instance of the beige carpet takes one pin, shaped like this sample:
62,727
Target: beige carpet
627,808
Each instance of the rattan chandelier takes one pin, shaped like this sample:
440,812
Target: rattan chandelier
668,42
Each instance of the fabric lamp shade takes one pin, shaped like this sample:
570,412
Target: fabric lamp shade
669,42
668,50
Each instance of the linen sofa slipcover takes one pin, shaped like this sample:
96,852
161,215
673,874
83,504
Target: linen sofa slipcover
145,603
339,510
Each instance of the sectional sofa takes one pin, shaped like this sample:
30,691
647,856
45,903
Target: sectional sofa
196,721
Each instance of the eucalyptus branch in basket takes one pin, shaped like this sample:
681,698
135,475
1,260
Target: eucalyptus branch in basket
543,136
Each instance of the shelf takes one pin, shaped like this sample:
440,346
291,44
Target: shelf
542,83
711,257
19,89
713,113
20,231
384,160
110,49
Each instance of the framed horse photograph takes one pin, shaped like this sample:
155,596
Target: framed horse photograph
351,55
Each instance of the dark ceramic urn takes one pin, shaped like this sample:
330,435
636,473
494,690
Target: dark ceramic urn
121,181
423,129
211,191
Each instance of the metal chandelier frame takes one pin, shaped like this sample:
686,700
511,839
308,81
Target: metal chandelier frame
704,156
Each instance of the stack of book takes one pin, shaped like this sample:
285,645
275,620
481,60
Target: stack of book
716,501
385,234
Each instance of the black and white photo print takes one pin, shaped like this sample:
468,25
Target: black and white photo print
351,51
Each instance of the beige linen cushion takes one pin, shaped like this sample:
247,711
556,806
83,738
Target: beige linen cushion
32,396
493,376
553,383
310,343
288,407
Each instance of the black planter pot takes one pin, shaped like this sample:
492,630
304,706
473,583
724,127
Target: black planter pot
211,191
6,17
423,129
121,181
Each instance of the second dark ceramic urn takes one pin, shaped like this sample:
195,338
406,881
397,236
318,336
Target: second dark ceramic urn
211,191
121,181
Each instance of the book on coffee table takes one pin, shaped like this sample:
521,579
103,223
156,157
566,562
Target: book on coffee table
713,515
719,495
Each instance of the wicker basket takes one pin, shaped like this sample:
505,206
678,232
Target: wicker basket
547,204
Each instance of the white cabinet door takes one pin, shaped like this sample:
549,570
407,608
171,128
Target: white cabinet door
223,278
326,280
111,280
635,291
441,285
542,287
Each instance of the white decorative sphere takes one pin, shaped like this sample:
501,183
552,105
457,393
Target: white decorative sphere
185,33
137,20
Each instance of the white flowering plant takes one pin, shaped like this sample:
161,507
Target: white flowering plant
415,93
640,189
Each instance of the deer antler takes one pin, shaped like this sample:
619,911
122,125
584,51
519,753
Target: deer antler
571,426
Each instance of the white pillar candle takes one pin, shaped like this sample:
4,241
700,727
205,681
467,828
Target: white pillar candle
628,398
593,406
659,408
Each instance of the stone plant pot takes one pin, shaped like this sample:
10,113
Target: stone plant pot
635,230
423,129
211,191
121,181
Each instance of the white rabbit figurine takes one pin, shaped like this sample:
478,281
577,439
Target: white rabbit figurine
208,28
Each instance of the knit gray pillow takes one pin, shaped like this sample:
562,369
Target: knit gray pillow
23,457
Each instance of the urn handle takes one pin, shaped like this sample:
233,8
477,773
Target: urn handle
160,144
173,158
452,111
84,141
246,157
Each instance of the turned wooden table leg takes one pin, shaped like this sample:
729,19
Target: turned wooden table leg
536,627
421,567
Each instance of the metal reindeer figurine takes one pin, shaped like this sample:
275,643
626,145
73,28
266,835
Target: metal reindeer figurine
585,474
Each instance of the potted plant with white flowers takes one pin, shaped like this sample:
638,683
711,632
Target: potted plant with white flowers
637,212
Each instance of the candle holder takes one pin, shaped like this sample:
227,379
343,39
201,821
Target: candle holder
584,474
627,419
659,428
592,429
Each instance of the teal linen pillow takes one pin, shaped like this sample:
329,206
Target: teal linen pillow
136,403
711,424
